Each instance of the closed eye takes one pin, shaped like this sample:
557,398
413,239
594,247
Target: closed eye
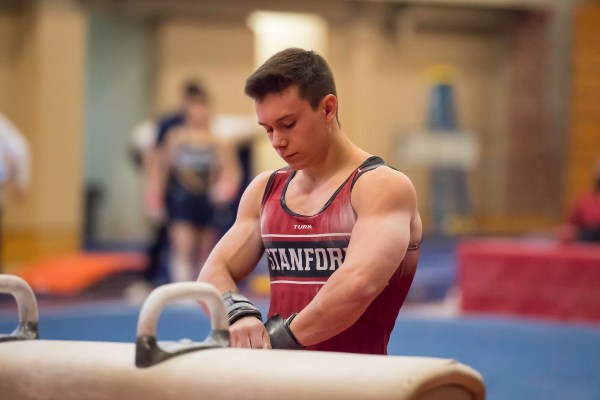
289,126
268,129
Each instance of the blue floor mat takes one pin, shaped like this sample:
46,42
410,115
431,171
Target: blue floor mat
436,272
518,359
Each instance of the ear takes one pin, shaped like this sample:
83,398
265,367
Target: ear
329,107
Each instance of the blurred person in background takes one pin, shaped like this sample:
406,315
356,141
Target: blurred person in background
14,164
148,140
197,173
150,157
583,224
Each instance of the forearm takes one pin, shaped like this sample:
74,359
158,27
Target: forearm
219,276
233,258
350,290
333,310
218,271
216,274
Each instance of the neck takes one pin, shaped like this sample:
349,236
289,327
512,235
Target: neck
341,154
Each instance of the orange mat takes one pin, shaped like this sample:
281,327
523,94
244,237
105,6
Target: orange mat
70,274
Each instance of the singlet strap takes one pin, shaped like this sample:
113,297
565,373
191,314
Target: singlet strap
270,182
370,164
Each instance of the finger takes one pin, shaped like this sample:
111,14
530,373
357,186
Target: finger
256,339
236,337
244,341
232,339
266,340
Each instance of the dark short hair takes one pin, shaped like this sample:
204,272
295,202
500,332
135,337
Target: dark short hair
293,66
193,90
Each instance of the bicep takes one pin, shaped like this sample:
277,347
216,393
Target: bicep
377,247
383,228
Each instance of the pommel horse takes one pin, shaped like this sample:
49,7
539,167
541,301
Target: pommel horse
35,369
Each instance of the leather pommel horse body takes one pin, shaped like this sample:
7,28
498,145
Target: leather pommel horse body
150,370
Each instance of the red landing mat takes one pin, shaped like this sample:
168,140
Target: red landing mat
530,278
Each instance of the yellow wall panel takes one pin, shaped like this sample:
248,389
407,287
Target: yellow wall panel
584,135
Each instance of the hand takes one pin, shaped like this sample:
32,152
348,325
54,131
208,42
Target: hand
249,332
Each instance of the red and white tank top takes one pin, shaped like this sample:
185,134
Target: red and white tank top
304,251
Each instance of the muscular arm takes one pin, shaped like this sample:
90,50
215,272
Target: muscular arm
238,252
234,257
383,230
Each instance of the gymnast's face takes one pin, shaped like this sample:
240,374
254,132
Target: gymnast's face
297,132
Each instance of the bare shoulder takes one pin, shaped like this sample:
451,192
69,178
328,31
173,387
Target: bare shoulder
260,181
252,196
384,188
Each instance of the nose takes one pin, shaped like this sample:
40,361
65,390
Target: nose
278,141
